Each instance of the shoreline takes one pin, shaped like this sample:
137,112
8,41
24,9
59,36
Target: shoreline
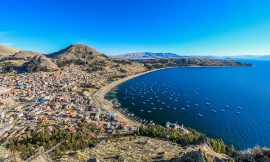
101,102
108,105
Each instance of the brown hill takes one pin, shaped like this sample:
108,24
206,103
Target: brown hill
39,63
75,53
7,51
24,55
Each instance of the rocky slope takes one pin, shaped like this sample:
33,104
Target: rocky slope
24,55
77,52
27,61
143,149
7,51
39,63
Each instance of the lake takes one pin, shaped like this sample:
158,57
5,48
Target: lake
231,103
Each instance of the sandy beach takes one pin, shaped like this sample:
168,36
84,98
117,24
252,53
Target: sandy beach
100,101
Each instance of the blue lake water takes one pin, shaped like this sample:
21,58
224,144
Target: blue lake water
233,102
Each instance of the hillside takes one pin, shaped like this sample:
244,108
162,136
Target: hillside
7,51
143,149
26,61
191,62
73,53
146,55
92,61
39,63
24,55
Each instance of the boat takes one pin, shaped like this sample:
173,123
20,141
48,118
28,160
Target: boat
183,108
168,124
237,113
222,110
200,115
214,111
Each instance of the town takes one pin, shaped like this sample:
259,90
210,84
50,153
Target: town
28,99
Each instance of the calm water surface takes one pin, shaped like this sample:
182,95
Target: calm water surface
229,103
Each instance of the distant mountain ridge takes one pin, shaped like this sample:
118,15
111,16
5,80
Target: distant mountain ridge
249,57
146,55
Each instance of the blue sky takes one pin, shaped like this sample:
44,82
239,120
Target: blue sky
188,27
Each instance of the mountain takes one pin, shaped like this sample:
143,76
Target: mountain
76,52
26,61
146,55
39,63
7,51
24,55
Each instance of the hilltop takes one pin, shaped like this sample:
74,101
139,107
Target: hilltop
76,52
7,51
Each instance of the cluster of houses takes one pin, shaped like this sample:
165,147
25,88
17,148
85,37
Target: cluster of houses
26,100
